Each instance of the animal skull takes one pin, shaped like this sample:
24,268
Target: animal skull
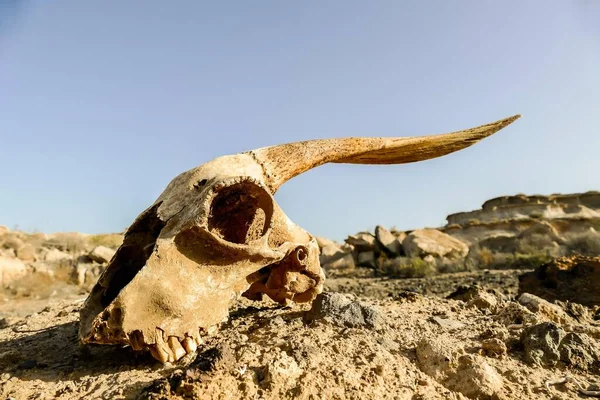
216,233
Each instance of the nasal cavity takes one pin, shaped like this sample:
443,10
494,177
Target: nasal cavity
241,213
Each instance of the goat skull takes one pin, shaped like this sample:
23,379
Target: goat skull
216,233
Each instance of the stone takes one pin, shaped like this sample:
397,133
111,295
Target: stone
101,254
388,241
423,242
11,269
580,351
363,242
494,347
57,256
3,230
475,296
26,252
575,279
547,311
341,310
541,344
448,324
323,242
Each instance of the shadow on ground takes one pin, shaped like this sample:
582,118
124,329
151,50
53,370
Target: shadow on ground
55,353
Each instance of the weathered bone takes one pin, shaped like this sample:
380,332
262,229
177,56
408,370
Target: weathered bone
285,161
216,233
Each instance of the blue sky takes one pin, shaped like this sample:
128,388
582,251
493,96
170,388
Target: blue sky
103,103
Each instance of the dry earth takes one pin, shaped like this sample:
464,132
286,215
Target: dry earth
378,342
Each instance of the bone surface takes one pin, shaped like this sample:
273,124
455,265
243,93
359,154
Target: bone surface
216,233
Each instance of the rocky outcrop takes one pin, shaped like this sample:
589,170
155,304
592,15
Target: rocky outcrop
574,279
556,216
101,254
72,257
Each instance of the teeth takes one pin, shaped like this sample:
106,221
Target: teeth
176,347
162,346
189,345
136,340
159,354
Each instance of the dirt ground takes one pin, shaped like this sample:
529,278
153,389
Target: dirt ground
381,339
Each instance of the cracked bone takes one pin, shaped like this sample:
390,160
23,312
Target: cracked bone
216,233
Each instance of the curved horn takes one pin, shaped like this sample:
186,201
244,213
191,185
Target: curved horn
283,162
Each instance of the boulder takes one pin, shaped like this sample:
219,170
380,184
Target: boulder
11,269
388,241
575,279
333,256
26,252
423,242
3,230
57,256
101,254
363,241
323,242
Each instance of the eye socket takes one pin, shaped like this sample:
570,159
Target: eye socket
241,213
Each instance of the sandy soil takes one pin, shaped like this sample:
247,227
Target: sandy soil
387,343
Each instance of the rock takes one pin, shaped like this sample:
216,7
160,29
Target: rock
42,268
547,311
475,378
474,296
26,252
57,256
11,269
449,324
3,230
333,256
10,253
363,241
423,242
574,279
12,241
388,241
543,228
102,254
494,347
338,309
541,344
580,351
366,259
323,242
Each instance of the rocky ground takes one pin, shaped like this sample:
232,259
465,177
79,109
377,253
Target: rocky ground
365,338
448,313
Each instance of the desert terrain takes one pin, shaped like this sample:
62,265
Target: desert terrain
500,303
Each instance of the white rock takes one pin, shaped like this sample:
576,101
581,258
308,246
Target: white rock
423,242
11,269
388,240
57,256
102,254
